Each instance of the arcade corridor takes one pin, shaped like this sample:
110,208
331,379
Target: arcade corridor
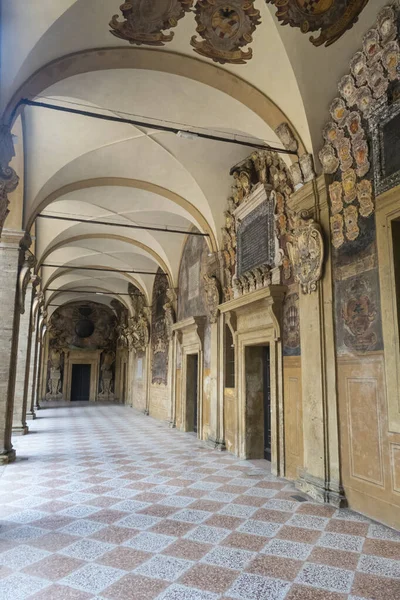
104,502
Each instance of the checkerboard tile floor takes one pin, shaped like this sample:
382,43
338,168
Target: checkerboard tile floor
105,503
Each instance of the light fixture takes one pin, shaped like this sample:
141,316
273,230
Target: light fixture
187,135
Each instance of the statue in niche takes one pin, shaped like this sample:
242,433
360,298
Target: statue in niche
54,383
107,376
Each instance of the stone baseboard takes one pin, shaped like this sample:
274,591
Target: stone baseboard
326,492
216,444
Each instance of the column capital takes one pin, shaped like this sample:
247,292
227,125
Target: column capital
8,178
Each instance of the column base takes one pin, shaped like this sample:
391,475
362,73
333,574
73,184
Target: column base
7,457
146,412
172,424
31,416
326,492
216,444
22,430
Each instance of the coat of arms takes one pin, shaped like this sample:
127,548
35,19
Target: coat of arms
306,252
145,21
332,17
225,27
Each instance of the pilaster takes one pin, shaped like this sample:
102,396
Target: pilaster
320,477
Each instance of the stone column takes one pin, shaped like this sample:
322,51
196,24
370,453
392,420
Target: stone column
23,365
41,383
33,371
9,325
215,437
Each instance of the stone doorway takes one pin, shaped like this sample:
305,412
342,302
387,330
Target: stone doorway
80,383
258,402
192,392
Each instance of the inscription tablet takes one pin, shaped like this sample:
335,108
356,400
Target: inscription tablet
255,239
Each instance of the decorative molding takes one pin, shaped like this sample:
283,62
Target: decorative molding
333,17
8,178
225,29
144,21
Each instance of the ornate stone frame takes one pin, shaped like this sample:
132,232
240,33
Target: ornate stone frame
79,357
190,334
256,320
382,116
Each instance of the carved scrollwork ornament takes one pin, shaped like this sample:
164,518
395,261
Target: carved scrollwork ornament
332,17
28,262
225,29
8,178
213,296
306,252
144,21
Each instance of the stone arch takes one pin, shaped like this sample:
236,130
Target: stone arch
102,59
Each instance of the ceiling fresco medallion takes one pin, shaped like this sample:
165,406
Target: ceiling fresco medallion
225,26
145,21
332,17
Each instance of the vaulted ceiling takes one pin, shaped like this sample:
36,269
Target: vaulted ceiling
61,51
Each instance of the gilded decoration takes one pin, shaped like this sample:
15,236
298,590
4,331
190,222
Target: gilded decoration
144,21
8,178
306,251
332,17
363,106
225,28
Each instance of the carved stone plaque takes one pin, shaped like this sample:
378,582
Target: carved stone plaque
255,239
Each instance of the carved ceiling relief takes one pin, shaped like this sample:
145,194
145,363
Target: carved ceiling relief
332,17
295,246
370,85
